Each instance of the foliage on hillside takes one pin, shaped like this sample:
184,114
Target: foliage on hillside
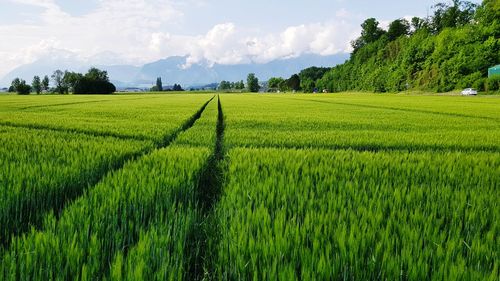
450,50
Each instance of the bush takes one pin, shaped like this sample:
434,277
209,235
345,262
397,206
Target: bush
493,83
472,80
479,84
23,89
20,87
89,86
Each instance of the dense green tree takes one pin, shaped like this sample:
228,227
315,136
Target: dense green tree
398,28
370,33
450,16
253,83
229,86
239,85
58,78
45,83
417,24
37,85
294,82
178,88
454,58
309,76
95,81
20,86
70,79
314,73
284,86
275,83
15,83
488,15
159,84
224,85
89,86
493,83
97,74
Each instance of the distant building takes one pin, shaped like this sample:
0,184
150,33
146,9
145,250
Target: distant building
494,71
133,90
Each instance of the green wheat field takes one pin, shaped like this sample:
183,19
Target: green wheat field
250,187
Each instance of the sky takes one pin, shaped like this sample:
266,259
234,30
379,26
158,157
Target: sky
108,32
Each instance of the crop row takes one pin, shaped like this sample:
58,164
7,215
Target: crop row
135,224
108,221
144,118
346,215
16,102
42,170
333,187
483,108
328,122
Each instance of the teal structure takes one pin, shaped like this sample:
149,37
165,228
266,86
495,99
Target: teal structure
494,71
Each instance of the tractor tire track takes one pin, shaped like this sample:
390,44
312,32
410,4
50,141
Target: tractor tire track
58,209
451,114
204,234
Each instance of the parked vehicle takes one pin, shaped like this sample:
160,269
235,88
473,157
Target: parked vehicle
469,92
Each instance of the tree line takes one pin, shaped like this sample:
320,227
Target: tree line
305,81
451,49
159,87
231,86
252,85
95,81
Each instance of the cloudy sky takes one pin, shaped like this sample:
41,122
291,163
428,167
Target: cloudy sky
222,31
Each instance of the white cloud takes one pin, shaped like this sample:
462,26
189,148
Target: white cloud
317,38
228,44
121,26
220,45
137,31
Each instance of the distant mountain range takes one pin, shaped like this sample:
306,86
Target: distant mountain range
172,70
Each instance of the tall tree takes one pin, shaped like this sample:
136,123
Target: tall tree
37,85
294,82
70,79
20,86
97,75
240,85
488,14
398,28
370,33
15,83
159,84
224,85
458,14
253,83
275,82
95,81
309,76
45,83
177,88
57,77
417,24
